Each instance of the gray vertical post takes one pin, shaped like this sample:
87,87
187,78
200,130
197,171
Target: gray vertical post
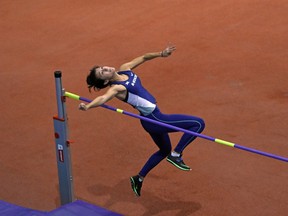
62,145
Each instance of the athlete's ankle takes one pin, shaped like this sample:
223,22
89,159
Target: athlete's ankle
175,154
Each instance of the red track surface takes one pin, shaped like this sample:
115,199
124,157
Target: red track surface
230,68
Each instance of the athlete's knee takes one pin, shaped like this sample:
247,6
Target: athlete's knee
199,126
202,125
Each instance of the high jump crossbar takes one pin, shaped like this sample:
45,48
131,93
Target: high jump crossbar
219,141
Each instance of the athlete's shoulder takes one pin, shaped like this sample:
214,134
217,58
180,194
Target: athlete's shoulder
117,87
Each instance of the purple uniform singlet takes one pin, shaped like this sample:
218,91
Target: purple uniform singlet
137,95
145,103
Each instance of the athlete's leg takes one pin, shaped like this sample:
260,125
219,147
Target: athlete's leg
164,144
191,123
188,122
197,125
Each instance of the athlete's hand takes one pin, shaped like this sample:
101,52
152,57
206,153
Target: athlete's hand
168,51
83,107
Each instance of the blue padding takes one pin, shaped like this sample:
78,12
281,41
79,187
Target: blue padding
80,208
8,209
77,208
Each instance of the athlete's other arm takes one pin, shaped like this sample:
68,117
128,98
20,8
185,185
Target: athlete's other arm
148,56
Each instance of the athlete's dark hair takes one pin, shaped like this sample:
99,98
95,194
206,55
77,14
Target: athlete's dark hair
94,82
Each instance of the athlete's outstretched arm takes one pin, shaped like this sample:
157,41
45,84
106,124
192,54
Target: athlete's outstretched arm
148,56
98,101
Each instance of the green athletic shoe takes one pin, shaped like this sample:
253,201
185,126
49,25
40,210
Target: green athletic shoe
178,162
136,185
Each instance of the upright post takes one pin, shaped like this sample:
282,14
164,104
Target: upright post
62,145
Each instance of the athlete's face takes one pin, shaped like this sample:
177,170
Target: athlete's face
105,72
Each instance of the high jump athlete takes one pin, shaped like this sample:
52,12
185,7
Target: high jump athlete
125,85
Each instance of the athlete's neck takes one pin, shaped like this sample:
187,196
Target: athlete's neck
119,77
